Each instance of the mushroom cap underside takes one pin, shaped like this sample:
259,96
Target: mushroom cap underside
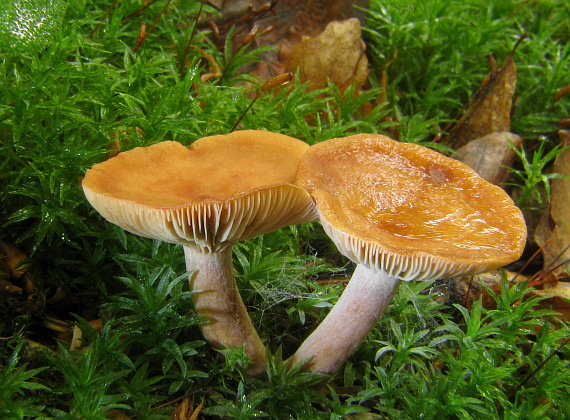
219,190
409,210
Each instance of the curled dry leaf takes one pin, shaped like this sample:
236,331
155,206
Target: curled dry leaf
553,232
336,54
490,110
490,155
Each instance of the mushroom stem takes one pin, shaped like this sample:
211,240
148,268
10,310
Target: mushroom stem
348,323
217,298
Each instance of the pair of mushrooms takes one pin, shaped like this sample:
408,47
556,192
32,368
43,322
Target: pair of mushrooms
399,211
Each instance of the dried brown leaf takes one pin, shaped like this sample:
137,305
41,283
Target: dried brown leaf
490,155
336,54
490,110
561,291
553,233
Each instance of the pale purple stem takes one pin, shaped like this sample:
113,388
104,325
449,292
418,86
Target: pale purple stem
348,323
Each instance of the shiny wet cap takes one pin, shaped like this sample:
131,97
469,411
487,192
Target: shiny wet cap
408,210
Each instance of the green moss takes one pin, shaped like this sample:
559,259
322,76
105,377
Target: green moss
68,92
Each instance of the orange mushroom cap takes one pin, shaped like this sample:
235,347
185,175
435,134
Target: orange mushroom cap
220,190
408,210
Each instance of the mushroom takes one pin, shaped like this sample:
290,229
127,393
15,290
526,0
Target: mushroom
220,190
400,212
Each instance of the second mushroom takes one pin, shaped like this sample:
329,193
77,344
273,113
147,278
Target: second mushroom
400,212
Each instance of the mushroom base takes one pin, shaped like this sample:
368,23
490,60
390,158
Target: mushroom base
348,323
217,298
